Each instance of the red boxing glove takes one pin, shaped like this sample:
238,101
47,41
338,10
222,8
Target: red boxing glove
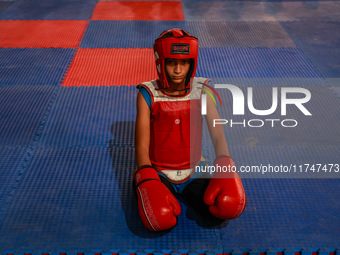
225,195
158,208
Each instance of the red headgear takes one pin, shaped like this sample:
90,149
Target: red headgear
176,44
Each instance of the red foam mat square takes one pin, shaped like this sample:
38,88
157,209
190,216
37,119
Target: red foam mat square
111,67
138,10
41,33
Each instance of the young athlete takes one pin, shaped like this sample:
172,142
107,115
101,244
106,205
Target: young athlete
168,142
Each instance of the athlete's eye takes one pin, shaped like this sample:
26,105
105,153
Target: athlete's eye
169,61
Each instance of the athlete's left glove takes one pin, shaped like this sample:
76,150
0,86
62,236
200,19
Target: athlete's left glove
158,207
225,195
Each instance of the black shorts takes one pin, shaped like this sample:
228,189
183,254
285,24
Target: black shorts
192,195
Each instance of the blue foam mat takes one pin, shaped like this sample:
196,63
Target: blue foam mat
272,82
126,34
303,10
49,10
91,116
4,5
320,34
22,112
326,61
35,66
240,34
289,213
223,10
260,10
85,200
10,171
254,63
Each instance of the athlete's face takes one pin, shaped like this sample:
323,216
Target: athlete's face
177,70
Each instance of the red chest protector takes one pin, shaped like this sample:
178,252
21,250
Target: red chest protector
175,127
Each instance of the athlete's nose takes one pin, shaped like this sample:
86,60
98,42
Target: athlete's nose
178,68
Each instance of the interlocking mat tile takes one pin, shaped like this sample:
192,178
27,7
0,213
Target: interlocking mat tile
303,10
319,34
86,200
82,197
91,116
10,171
138,10
226,10
254,63
126,34
98,67
22,109
49,10
41,33
303,208
261,10
4,5
240,34
326,61
35,66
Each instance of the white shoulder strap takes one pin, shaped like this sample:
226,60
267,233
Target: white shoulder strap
195,93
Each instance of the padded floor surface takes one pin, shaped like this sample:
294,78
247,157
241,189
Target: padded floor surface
125,34
35,66
138,10
254,63
85,200
49,10
41,34
98,67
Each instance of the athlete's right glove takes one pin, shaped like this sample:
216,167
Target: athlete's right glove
158,207
225,194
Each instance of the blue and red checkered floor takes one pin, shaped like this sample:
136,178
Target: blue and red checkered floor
68,70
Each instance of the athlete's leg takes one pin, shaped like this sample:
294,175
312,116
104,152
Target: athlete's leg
193,194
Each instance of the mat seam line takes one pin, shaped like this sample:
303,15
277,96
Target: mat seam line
29,153
77,47
31,149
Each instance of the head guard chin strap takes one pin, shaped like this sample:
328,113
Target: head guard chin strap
175,44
